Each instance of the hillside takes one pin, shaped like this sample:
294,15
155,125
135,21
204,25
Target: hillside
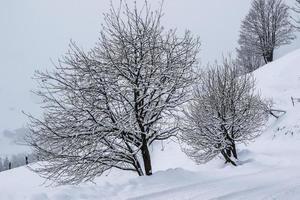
269,167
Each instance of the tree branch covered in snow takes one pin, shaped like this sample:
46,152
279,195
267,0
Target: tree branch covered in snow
103,108
225,110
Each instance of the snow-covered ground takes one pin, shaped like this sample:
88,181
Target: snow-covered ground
269,166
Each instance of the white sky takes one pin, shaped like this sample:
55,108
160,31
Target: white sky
33,31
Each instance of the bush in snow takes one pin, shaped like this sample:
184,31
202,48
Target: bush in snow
102,109
225,110
266,27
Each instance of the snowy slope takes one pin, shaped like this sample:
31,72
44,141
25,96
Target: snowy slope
269,167
280,79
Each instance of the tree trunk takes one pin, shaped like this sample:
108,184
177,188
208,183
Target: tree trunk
146,158
136,162
227,158
234,150
266,62
138,168
269,57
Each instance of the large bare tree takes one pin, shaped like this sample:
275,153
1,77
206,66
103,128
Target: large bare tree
225,110
104,108
266,27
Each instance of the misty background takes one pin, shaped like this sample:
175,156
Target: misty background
35,31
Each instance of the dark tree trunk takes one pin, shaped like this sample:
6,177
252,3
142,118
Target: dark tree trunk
140,171
266,62
231,150
227,158
138,168
146,158
228,152
269,57
26,160
136,164
234,153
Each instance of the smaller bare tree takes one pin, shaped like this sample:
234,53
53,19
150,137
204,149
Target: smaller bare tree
266,27
225,110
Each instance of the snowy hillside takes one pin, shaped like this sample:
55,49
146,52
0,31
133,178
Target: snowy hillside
269,167
280,81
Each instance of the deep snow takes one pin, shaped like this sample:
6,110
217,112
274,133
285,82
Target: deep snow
269,166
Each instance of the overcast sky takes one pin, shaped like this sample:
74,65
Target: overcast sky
35,31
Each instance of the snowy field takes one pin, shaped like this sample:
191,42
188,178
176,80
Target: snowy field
269,168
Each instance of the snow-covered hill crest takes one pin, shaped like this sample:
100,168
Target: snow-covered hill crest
280,80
